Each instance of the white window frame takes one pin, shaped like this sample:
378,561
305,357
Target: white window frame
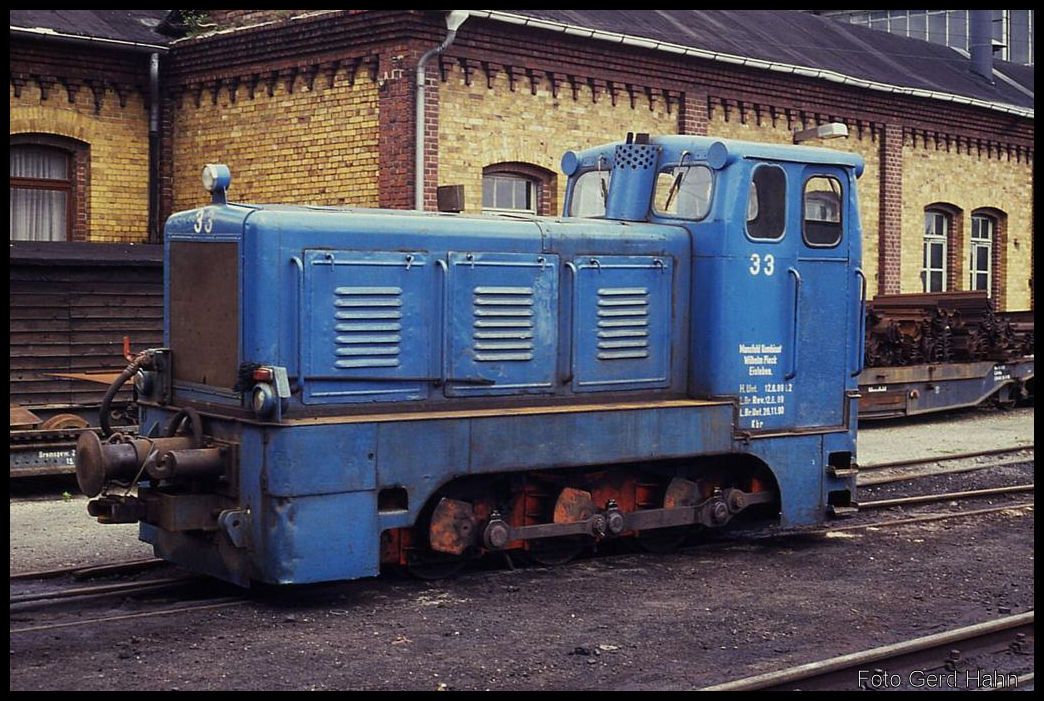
532,186
37,214
934,237
983,234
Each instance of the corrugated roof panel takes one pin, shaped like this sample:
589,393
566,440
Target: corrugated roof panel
802,39
138,26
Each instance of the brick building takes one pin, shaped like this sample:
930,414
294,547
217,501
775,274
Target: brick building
319,106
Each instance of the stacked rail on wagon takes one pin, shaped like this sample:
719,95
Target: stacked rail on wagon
71,305
938,351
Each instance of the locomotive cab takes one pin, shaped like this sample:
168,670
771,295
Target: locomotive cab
777,289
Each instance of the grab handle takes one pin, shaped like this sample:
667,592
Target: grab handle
574,275
299,264
444,317
860,343
797,320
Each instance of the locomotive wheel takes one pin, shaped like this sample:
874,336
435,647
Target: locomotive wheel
661,540
63,421
552,552
431,566
679,492
571,505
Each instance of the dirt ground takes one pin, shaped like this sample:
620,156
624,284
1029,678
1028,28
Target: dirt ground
705,614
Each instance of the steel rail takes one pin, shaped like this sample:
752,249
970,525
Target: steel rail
929,498
868,660
887,479
1020,682
929,517
105,589
83,571
944,458
212,604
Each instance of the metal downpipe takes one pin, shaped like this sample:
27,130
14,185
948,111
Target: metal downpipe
453,21
154,143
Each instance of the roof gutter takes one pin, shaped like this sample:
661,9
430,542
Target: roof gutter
678,49
50,34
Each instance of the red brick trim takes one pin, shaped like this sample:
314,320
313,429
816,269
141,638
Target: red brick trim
890,214
395,136
694,117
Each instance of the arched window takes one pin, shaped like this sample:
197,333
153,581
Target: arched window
509,193
41,193
518,187
942,259
987,254
980,265
936,233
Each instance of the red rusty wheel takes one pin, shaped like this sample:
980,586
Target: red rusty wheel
428,565
552,552
662,540
63,421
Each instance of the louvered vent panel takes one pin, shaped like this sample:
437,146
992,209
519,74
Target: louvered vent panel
503,328
623,323
368,326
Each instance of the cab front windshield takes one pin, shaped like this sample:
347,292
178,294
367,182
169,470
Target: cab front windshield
683,192
589,194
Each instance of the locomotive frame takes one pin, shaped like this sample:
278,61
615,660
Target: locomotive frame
345,388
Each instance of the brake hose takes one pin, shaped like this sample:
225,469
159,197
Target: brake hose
128,372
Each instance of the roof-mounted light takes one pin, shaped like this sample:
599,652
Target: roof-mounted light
833,130
216,179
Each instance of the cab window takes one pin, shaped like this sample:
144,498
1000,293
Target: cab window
589,194
822,225
766,203
683,192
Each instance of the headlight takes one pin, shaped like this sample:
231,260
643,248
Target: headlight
144,383
216,176
263,400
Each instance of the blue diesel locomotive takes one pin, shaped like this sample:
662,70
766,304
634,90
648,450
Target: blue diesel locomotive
346,388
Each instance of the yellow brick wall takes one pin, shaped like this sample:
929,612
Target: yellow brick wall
314,146
868,183
969,182
480,127
119,153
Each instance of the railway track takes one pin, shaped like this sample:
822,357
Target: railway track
991,655
955,478
201,606
19,625
994,452
88,571
902,470
945,496
35,609
121,588
82,572
35,597
896,487
31,603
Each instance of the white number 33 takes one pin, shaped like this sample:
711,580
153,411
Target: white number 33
758,265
